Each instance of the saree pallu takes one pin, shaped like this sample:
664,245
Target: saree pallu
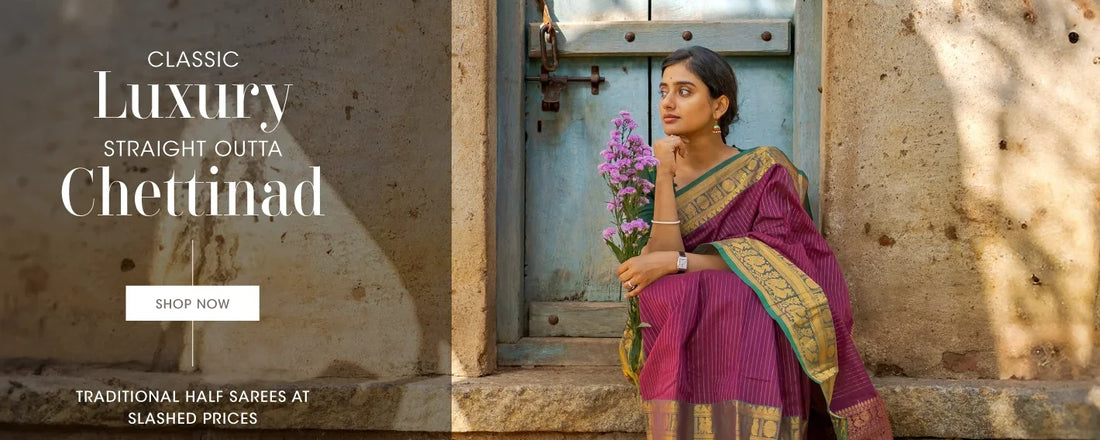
740,354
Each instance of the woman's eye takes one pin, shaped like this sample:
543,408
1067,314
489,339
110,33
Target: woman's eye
685,92
663,93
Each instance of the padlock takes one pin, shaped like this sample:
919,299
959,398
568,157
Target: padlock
551,93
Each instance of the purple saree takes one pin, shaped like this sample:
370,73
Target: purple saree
740,354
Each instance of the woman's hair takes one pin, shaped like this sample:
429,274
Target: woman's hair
715,72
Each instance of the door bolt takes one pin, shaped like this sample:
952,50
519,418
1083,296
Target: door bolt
686,35
553,319
629,37
766,36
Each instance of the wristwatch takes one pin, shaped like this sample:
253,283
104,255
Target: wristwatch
682,263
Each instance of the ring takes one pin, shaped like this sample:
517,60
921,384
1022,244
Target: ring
629,286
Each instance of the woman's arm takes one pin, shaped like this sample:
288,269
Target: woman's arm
641,271
664,237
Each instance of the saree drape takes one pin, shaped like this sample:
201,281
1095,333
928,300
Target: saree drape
740,354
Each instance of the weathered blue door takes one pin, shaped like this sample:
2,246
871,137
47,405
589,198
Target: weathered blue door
569,286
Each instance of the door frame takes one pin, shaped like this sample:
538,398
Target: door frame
511,313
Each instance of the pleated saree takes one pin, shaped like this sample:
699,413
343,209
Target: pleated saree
740,354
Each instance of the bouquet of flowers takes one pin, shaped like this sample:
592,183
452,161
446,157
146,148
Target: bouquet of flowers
626,156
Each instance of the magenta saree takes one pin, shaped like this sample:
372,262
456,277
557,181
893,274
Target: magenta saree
740,354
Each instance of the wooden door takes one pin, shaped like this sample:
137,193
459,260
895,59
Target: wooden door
569,288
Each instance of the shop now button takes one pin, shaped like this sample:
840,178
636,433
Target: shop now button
192,303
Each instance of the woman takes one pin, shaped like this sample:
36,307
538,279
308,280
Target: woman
754,321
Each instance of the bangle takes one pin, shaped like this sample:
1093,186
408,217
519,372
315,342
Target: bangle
658,222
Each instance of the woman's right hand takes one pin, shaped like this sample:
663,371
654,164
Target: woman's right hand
665,150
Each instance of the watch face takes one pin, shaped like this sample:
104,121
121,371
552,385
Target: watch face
682,263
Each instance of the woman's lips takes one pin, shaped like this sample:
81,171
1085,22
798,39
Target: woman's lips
670,118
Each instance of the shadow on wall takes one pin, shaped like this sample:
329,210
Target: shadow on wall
971,174
962,188
361,292
1019,79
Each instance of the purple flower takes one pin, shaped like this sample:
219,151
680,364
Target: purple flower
633,226
607,233
626,191
614,204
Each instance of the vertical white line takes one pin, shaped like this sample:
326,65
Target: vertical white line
192,322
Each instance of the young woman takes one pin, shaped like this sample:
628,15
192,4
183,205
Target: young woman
749,313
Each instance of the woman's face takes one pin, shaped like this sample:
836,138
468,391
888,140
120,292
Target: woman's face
686,106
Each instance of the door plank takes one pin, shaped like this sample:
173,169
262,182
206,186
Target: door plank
577,318
681,10
559,351
510,165
807,98
652,38
565,198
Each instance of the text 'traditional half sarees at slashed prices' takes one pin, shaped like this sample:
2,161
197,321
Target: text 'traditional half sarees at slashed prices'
740,354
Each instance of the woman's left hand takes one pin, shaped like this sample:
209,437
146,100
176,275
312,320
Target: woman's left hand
641,271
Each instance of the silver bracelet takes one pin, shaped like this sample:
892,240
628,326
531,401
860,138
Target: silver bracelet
658,222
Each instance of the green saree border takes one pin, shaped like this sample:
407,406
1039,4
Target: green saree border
696,204
712,170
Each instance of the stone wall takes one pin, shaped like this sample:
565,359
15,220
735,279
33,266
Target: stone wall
961,183
361,292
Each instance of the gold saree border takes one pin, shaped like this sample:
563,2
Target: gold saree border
867,419
750,421
705,199
797,303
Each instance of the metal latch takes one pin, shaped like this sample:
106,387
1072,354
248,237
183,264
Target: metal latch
552,86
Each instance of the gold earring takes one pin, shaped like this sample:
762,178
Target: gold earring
716,129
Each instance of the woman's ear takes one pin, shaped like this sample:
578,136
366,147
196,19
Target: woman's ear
720,106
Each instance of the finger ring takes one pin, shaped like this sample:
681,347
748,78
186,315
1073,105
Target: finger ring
629,286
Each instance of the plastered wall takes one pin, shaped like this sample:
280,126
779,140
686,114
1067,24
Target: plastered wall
961,164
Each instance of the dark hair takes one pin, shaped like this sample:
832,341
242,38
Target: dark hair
715,72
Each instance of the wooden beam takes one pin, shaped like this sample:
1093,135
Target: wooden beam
806,152
577,319
653,38
559,351
510,316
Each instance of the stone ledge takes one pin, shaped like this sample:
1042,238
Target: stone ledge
992,408
49,399
598,399
546,399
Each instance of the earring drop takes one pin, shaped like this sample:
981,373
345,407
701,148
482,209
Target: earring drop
716,129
